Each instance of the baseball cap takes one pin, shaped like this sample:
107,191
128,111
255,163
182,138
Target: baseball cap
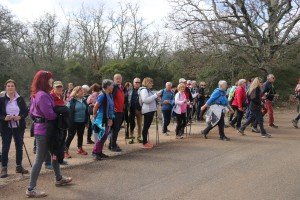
57,83
182,80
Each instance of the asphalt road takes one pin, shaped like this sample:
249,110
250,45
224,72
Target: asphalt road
246,168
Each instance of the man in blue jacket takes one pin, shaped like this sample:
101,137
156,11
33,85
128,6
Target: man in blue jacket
167,101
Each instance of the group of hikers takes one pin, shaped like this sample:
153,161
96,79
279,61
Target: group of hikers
59,115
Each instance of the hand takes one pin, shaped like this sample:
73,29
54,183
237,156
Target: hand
241,109
110,122
16,118
8,118
185,101
231,110
165,102
203,108
158,94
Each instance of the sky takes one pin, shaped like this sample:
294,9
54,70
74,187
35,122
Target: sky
29,10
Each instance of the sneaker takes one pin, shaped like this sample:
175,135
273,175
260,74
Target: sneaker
166,134
255,130
241,132
203,134
63,181
131,141
140,139
102,155
116,149
90,141
97,157
273,126
3,172
81,151
49,167
20,169
179,137
295,123
67,155
147,146
35,193
225,138
266,135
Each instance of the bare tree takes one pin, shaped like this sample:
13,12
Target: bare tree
262,28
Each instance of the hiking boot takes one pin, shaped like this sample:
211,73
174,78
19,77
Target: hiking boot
295,123
35,193
225,138
3,172
20,169
266,135
63,181
81,151
140,139
273,126
67,155
203,134
255,130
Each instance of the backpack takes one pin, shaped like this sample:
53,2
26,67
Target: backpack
138,101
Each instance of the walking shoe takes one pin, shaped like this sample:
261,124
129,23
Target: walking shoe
273,126
255,130
179,137
20,169
147,146
140,139
102,155
225,138
203,134
35,193
241,132
3,172
50,167
67,155
97,157
116,149
63,181
295,123
266,135
131,141
81,151
89,141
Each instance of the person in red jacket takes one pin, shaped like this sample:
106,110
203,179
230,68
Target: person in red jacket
238,103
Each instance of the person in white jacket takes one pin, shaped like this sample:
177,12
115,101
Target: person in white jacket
149,107
180,109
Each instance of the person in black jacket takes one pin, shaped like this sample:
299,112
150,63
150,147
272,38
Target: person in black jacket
255,97
78,119
270,93
13,111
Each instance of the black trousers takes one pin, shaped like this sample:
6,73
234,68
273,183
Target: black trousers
181,123
148,118
77,127
167,119
238,118
117,122
220,124
255,116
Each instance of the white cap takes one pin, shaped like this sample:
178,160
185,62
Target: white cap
86,87
182,80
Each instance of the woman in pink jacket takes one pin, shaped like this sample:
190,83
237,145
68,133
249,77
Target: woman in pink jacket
238,103
180,110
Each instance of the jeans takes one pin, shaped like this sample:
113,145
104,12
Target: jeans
117,122
135,113
40,156
79,128
7,135
220,124
238,118
148,118
48,157
181,123
268,108
167,119
255,115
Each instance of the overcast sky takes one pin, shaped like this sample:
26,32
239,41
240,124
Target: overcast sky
29,10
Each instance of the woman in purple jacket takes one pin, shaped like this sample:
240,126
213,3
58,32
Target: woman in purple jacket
41,110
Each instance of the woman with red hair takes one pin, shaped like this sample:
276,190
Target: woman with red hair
41,110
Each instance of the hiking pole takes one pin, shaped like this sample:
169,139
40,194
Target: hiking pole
157,134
